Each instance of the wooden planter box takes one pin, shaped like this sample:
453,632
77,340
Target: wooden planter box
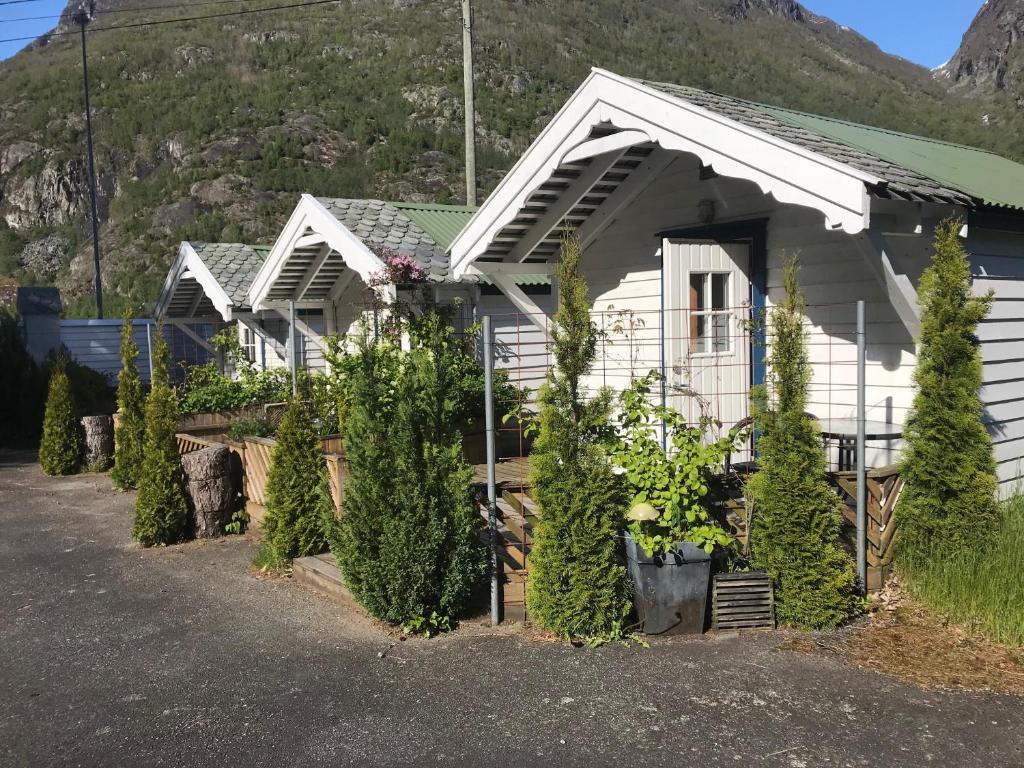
258,453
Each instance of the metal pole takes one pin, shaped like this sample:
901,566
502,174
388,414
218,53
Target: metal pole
291,346
467,84
149,348
492,492
81,17
862,507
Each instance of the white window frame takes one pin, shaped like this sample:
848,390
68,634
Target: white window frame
729,312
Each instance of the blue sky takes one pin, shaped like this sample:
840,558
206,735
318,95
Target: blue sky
924,31
927,32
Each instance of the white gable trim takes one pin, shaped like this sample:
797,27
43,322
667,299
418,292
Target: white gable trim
789,173
309,214
188,261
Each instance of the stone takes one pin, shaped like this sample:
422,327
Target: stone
99,442
209,489
45,256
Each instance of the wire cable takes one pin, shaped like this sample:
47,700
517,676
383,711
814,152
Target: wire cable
141,9
157,22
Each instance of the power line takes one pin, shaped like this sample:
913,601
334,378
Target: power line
157,22
142,9
15,2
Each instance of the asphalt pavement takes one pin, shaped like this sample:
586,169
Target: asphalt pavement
111,655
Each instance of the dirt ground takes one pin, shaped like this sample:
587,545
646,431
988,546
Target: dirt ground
182,656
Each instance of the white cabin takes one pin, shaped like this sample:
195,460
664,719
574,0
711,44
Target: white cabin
687,203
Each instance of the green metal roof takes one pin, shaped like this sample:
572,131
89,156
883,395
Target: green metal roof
976,172
442,222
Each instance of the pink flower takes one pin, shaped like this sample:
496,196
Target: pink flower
398,268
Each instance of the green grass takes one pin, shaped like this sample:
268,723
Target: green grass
984,589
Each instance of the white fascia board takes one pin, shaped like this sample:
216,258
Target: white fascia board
789,173
310,214
171,282
188,261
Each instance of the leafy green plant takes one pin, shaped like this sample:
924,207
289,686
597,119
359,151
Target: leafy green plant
60,452
206,390
161,510
131,426
428,626
238,523
949,502
23,385
297,491
407,542
670,487
795,516
254,427
578,585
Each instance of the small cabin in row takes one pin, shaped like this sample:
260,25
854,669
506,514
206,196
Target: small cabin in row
686,203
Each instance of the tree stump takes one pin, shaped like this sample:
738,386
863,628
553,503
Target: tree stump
209,489
99,442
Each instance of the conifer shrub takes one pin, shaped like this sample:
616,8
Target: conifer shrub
60,451
948,505
22,386
161,510
795,517
408,541
578,585
298,494
131,426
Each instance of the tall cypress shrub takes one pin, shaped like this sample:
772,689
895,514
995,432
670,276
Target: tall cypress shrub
578,586
298,495
161,511
409,545
949,502
356,541
131,425
795,514
60,451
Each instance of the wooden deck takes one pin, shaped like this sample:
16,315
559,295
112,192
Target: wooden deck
516,517
508,474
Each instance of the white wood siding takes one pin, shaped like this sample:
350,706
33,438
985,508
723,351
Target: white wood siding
623,268
520,346
997,265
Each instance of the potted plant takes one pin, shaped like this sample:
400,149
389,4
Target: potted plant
670,534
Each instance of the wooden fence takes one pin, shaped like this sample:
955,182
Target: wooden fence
884,486
251,462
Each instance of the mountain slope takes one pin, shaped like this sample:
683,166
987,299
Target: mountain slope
211,129
990,58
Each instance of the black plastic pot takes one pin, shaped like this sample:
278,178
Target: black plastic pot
670,591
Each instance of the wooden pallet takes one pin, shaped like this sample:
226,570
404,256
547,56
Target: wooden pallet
743,601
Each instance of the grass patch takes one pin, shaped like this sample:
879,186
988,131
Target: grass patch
984,589
268,560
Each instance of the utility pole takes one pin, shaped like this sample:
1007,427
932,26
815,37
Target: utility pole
81,17
467,82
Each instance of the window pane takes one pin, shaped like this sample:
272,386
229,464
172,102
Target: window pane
720,333
699,333
720,291
698,280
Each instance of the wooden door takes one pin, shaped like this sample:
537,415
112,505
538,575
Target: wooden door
707,346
